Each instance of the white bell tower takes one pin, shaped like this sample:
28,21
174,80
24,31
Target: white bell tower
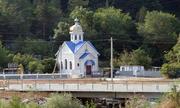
76,32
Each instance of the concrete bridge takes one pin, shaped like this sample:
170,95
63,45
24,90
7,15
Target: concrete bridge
101,87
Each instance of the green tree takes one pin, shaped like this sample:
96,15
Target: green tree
85,16
48,65
47,15
174,54
74,3
36,47
171,69
15,18
124,59
23,59
136,57
159,29
111,21
32,46
3,56
61,31
140,57
133,6
35,66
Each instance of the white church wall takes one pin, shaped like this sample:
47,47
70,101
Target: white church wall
66,54
93,57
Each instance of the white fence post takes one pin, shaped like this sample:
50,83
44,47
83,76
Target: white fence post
157,86
63,85
126,86
35,84
49,85
142,86
92,86
78,85
21,84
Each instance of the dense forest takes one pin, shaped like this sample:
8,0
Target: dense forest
145,32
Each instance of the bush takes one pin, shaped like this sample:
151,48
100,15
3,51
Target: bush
3,55
3,104
23,59
16,103
170,99
48,65
54,101
62,101
136,57
35,66
32,105
171,70
138,102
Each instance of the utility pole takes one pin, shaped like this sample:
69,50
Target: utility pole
111,59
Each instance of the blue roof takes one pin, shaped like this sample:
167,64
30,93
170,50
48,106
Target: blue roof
74,46
84,55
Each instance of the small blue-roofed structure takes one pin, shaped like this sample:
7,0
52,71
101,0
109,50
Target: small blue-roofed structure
77,58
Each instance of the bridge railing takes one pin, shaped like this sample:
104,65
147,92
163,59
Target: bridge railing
32,76
89,86
41,76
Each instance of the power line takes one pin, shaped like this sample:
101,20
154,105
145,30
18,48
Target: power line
96,40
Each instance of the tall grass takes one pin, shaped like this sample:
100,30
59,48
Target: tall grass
171,99
54,101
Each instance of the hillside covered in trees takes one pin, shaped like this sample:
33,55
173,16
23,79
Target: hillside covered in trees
145,32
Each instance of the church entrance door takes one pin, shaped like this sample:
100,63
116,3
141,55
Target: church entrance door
88,70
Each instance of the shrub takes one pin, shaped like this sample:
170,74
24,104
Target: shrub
62,101
36,66
138,102
48,65
171,70
16,103
170,99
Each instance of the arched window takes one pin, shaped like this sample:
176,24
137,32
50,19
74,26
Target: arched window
71,37
75,37
65,63
70,65
61,65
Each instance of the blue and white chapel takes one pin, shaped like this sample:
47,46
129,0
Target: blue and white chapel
77,58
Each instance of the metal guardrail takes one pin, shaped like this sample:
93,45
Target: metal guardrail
39,76
32,76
